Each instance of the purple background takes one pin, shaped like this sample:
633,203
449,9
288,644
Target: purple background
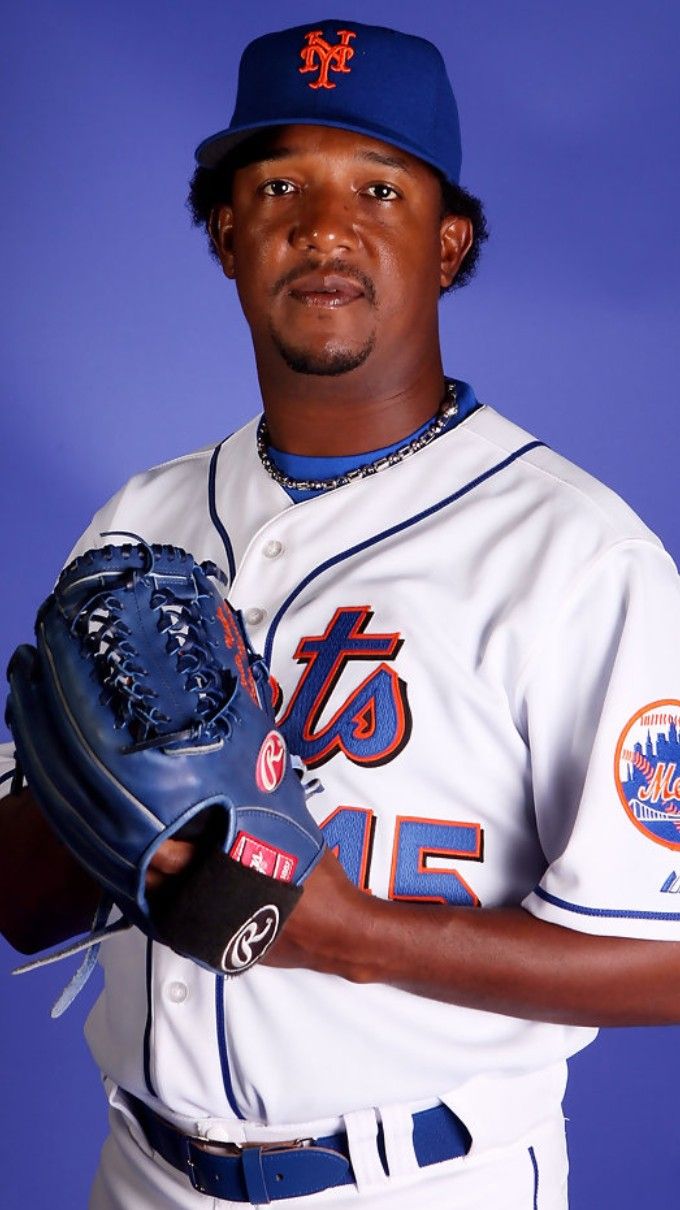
123,346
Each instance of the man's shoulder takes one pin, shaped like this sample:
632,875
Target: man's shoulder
171,502
557,484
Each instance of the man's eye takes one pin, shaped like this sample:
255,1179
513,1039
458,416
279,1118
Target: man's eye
277,188
383,193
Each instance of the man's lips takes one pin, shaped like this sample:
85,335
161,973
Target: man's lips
329,285
325,290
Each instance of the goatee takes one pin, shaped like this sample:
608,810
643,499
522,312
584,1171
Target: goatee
329,362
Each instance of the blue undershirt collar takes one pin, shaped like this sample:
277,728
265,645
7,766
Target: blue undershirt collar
305,466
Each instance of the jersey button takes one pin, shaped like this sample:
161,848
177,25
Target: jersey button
254,616
272,550
177,992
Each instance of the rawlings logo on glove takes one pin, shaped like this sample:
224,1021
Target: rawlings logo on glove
143,714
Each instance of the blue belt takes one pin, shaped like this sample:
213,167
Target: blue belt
266,1172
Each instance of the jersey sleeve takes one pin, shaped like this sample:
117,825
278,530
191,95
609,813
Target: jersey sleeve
6,767
601,707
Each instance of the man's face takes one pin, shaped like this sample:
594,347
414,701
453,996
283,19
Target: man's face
338,249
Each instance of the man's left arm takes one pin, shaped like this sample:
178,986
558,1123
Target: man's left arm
502,960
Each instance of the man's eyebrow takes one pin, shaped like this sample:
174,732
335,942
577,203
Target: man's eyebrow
381,157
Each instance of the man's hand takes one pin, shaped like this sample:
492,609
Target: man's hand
319,934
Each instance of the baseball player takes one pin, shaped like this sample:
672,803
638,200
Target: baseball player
462,631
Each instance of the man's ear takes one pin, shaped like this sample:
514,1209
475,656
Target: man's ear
221,229
456,237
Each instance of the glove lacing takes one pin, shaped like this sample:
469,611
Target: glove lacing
106,639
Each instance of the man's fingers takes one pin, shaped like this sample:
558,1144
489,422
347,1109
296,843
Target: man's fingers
172,857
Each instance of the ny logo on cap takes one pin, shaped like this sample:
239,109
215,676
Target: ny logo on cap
319,55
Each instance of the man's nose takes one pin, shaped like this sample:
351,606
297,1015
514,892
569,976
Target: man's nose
324,224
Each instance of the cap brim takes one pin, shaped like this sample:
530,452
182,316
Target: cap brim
213,149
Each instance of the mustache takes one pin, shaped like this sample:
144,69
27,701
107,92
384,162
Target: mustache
342,267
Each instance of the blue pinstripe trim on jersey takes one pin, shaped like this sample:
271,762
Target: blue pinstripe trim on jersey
6,776
222,1046
534,1162
149,1014
215,516
616,913
389,533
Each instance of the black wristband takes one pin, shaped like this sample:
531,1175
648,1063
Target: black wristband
223,914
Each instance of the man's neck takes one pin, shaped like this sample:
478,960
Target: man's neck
350,413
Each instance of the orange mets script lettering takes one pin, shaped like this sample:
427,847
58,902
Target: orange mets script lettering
661,786
319,55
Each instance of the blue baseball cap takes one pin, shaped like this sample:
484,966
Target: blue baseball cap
375,81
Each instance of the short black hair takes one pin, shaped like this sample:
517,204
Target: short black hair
211,187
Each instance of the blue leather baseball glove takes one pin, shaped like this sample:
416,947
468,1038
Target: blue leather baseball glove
143,714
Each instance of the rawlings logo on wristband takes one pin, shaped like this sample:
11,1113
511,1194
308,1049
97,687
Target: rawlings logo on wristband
252,940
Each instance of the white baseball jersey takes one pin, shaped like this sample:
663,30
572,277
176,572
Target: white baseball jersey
473,654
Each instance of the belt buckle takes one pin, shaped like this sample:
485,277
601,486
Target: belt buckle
232,1151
